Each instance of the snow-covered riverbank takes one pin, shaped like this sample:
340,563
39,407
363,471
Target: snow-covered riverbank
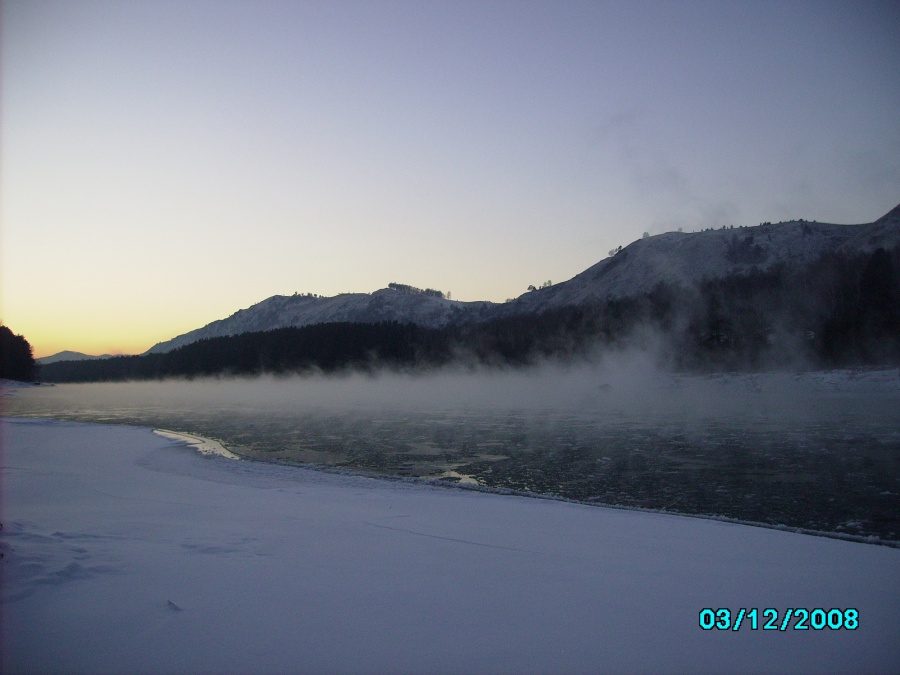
205,446
128,552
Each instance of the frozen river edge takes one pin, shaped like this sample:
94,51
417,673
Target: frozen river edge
210,446
203,445
151,557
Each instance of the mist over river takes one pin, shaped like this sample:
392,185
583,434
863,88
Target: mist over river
815,450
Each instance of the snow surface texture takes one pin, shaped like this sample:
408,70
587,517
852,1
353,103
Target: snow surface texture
125,551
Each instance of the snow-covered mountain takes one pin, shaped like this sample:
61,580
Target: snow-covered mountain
686,258
387,304
675,257
884,233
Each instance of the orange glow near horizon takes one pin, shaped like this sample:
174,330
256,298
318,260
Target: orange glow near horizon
115,330
164,166
50,340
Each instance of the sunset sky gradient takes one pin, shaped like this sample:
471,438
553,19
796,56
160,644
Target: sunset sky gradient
164,164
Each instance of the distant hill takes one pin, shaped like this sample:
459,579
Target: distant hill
69,356
402,304
676,258
883,233
809,296
685,259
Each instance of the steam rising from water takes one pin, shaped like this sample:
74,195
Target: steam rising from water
623,387
819,450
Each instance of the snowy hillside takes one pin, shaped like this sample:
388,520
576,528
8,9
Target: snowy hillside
884,232
675,257
281,311
686,258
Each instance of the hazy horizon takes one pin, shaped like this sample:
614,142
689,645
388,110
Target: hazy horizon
616,430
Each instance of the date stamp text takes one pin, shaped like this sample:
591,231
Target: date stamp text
792,618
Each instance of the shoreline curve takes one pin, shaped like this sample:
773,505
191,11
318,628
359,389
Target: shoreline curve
205,446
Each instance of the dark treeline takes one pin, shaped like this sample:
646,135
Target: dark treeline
842,310
327,347
412,290
16,356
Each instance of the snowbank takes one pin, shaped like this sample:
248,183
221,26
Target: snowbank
128,552
205,446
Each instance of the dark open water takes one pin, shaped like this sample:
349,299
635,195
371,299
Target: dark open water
813,450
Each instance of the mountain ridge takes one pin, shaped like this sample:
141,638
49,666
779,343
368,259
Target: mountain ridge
681,258
67,355
284,311
685,258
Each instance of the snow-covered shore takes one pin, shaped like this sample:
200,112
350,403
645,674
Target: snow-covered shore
205,446
125,551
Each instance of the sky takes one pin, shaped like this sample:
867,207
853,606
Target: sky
164,164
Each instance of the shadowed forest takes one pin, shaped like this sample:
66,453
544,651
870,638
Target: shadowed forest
16,358
842,310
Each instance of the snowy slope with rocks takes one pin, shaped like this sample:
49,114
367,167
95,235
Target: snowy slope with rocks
687,258
884,233
675,257
281,311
